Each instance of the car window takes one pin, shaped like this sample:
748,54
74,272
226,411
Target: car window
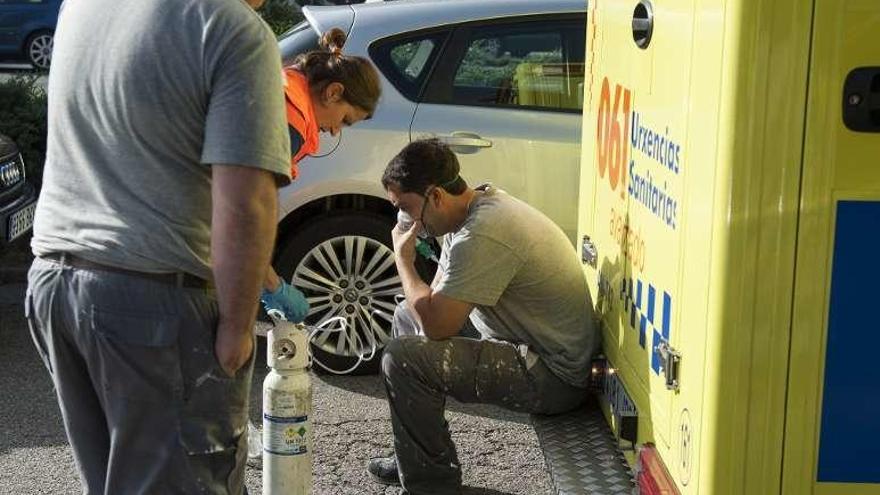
530,65
411,58
407,61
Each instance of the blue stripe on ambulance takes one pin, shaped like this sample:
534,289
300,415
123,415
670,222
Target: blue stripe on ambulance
644,313
850,432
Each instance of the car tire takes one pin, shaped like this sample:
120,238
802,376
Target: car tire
322,259
38,49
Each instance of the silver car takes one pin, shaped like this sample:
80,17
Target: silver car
500,81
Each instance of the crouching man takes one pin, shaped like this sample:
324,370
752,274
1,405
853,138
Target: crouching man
508,275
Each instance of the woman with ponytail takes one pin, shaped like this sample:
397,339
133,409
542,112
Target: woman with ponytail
324,91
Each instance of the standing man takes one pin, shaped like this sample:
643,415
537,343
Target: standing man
508,273
167,140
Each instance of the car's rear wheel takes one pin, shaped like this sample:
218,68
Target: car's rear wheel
344,264
38,49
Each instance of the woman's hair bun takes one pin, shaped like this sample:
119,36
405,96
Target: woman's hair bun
333,40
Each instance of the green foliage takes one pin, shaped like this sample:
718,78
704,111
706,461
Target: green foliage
486,65
402,55
23,108
280,15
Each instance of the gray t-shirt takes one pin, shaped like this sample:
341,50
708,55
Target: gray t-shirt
144,96
524,278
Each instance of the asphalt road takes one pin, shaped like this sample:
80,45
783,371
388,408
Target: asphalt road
498,449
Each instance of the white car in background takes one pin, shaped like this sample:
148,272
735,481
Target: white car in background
500,81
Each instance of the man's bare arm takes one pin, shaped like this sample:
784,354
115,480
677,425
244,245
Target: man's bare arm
440,317
244,220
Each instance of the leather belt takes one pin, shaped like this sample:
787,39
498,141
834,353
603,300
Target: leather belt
177,279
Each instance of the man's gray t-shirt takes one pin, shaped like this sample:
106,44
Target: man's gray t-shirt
523,276
144,96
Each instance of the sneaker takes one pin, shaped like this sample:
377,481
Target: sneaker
384,470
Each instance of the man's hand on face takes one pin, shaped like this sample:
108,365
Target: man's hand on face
405,243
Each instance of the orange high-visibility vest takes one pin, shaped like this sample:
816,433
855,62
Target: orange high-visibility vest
300,115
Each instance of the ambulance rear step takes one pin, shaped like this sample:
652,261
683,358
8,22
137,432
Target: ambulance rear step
582,453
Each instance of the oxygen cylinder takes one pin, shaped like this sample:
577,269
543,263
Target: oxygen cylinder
287,404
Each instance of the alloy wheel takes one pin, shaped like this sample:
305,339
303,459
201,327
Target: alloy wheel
40,51
352,277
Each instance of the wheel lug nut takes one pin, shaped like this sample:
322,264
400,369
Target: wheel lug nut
365,301
337,299
360,284
343,284
349,309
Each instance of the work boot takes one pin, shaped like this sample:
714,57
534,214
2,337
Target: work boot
384,470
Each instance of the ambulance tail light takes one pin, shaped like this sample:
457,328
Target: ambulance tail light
653,477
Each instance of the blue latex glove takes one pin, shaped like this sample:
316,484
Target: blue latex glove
287,299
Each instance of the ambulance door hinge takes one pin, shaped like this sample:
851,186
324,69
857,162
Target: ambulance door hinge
589,253
670,359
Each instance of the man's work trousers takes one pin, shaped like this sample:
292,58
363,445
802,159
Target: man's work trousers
420,373
146,406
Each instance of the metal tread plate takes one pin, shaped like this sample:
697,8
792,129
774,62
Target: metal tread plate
582,455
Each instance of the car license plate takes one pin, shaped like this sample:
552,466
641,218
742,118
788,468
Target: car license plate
20,222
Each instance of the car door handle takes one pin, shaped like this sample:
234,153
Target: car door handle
465,139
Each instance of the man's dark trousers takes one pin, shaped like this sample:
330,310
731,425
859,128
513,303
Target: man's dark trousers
420,373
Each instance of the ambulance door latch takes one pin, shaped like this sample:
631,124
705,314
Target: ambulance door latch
861,100
669,364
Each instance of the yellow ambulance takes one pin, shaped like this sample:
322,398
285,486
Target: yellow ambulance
730,220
